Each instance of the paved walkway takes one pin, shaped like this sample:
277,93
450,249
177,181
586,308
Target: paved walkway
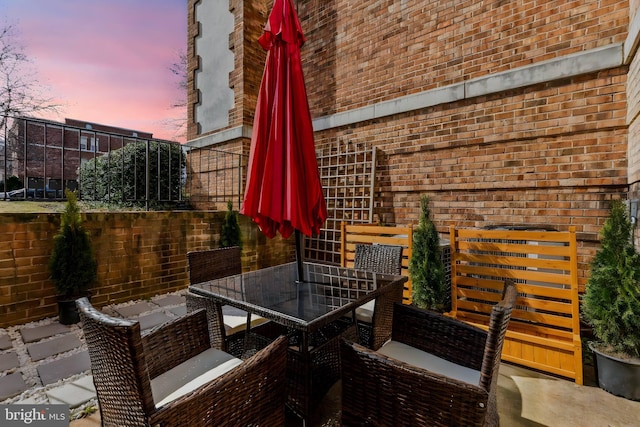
46,362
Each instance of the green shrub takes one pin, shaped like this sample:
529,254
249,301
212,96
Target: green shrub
120,176
13,183
72,265
611,303
230,234
425,266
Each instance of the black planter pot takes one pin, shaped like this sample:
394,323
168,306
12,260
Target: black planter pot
617,376
67,310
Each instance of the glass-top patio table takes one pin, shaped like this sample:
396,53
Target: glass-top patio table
314,314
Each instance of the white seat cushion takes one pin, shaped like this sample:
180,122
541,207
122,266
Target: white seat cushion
235,319
364,313
191,374
413,356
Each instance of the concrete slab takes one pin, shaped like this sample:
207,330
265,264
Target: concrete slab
44,349
36,333
12,385
9,361
5,342
64,367
135,309
70,394
166,300
92,420
179,311
110,311
29,401
554,402
86,383
152,320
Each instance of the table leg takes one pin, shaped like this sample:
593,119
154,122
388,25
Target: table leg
246,334
306,358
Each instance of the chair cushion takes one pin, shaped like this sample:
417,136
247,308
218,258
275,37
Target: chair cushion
364,313
412,356
191,374
235,319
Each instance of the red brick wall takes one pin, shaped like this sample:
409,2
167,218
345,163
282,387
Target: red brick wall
249,55
193,63
139,255
549,154
633,112
382,49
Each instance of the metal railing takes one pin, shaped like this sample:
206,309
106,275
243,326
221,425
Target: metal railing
39,159
214,178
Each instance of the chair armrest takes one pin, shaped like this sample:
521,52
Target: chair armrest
252,393
385,391
442,336
217,334
383,315
173,342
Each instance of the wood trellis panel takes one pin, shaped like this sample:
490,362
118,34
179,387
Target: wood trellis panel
347,171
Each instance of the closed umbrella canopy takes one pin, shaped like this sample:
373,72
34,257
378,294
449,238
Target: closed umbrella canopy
283,191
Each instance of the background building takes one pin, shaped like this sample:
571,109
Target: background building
45,155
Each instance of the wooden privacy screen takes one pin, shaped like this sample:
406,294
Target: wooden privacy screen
544,332
352,234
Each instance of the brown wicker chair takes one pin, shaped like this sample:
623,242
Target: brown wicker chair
435,371
144,380
213,264
379,259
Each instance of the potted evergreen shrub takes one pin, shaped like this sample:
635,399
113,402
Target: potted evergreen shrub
230,234
72,264
425,266
611,305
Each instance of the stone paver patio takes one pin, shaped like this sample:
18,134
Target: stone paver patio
47,363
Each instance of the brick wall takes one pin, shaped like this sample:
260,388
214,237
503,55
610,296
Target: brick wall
193,63
382,49
633,111
547,155
550,153
538,144
139,255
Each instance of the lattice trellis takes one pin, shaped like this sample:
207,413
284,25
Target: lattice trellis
348,179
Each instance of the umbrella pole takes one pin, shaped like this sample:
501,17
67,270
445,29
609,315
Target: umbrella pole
299,255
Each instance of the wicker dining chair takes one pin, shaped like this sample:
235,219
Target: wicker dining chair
435,371
379,259
171,376
213,264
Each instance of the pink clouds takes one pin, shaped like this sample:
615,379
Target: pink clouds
106,61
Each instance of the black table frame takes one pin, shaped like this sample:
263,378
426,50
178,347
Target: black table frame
313,313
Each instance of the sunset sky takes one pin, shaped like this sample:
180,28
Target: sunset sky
105,61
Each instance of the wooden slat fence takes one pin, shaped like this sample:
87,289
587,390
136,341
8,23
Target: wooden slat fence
352,234
544,332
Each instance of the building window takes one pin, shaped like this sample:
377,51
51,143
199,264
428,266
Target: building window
86,143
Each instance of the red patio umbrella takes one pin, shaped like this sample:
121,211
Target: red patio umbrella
283,191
